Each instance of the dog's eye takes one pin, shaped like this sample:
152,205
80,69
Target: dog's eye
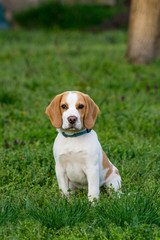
64,106
80,106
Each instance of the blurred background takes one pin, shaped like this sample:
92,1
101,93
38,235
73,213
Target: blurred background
143,16
81,14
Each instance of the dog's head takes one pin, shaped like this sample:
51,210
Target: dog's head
73,111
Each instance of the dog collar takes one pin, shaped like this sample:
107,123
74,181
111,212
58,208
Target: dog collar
77,134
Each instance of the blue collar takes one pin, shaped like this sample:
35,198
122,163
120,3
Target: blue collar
76,134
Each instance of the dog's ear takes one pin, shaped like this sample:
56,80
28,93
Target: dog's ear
91,112
54,112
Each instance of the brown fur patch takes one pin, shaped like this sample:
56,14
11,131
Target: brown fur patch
91,113
107,164
116,171
63,101
82,111
54,112
109,172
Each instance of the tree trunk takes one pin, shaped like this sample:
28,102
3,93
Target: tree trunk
144,31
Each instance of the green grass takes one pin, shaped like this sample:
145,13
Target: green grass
128,127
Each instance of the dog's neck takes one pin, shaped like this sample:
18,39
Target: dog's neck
71,131
77,134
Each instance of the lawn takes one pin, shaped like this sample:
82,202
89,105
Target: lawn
34,67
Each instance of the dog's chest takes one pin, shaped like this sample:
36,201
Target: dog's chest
74,164
76,156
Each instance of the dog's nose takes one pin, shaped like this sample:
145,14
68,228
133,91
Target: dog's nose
72,119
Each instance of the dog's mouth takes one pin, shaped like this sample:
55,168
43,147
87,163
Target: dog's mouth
72,125
72,128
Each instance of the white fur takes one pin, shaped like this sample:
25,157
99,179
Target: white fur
79,160
72,111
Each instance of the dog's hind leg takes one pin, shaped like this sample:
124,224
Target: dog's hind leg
114,181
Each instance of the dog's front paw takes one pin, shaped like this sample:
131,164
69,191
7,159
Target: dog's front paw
92,198
66,193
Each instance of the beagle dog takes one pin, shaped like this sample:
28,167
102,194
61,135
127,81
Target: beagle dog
79,157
